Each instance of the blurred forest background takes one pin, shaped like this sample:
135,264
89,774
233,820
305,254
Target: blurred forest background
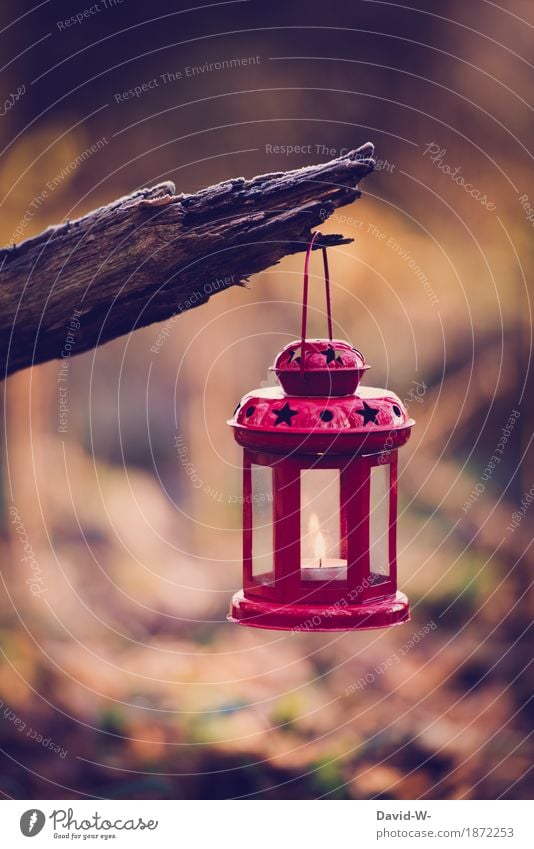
119,676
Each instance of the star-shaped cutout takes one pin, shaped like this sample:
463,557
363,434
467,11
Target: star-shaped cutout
284,414
369,414
295,355
332,356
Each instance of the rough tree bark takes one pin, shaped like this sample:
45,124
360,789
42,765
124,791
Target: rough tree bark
152,254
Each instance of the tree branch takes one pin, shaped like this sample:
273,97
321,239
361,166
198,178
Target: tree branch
152,254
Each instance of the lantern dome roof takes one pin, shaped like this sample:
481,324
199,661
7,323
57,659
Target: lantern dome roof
320,367
367,421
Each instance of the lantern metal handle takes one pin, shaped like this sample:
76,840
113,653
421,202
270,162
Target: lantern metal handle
305,296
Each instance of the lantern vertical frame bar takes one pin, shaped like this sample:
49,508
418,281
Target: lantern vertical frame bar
393,517
354,482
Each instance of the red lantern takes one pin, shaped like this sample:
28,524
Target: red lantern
320,491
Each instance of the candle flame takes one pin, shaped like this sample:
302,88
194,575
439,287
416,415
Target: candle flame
319,542
313,524
320,547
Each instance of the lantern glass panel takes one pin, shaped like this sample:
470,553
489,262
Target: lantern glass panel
262,523
379,521
322,547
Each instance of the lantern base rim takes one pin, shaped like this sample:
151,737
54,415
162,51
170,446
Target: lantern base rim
259,613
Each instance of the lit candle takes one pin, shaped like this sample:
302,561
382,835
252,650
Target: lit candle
321,568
